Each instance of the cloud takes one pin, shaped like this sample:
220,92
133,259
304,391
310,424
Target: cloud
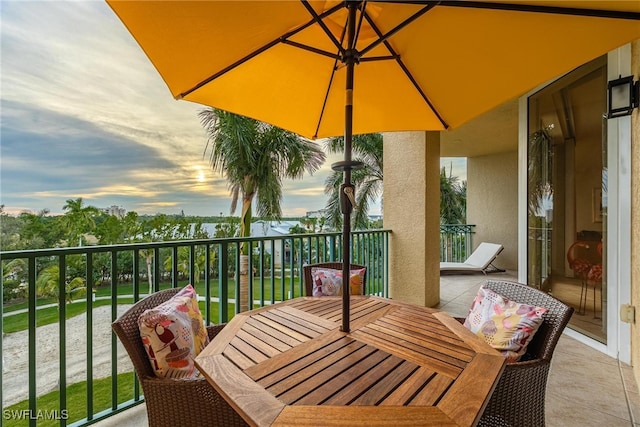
85,114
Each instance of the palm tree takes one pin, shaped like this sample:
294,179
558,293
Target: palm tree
78,219
453,199
48,284
367,149
255,157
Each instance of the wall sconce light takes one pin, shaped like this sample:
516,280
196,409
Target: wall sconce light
623,96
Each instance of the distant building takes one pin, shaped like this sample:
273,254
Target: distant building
317,214
275,228
117,211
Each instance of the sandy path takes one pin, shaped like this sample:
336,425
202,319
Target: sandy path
15,378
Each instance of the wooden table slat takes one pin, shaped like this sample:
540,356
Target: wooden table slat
315,323
379,382
294,324
268,320
295,358
260,343
432,392
318,306
268,329
247,350
414,353
458,351
231,353
242,393
478,345
295,370
407,390
348,385
307,381
427,324
273,338
362,416
469,391
223,337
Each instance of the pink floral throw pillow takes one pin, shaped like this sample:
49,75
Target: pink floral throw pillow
173,334
505,325
328,281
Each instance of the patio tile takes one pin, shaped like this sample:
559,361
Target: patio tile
565,413
583,377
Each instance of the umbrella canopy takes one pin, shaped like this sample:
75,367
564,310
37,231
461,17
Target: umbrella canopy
327,68
439,65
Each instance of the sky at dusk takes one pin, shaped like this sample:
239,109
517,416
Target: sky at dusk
85,114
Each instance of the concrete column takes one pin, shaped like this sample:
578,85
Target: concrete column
411,208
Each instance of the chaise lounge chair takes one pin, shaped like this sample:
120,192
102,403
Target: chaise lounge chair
481,260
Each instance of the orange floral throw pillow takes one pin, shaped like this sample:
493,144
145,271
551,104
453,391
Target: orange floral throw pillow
505,325
328,281
173,334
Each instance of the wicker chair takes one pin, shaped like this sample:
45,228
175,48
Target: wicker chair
172,402
308,280
518,399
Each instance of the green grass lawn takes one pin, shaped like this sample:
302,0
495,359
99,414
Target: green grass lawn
48,405
20,322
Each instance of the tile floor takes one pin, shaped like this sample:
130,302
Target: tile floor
585,387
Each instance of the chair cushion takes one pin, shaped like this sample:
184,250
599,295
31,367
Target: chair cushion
328,281
505,325
173,334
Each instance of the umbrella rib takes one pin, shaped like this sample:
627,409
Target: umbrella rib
260,50
382,38
311,49
326,96
319,19
557,10
404,68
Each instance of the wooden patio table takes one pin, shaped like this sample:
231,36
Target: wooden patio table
401,364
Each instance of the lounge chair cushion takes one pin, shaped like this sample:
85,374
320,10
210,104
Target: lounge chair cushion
328,281
505,325
480,260
173,334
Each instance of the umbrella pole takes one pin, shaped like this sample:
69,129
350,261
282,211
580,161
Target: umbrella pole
347,188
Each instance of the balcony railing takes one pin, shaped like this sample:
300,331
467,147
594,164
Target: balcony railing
455,242
117,276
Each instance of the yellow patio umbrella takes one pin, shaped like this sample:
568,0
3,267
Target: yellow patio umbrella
328,68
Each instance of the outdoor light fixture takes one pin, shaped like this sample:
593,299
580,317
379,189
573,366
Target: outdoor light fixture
623,96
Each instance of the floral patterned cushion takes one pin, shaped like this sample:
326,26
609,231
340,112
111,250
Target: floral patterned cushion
328,281
173,334
505,325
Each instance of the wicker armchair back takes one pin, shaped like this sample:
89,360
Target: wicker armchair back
518,399
308,280
171,402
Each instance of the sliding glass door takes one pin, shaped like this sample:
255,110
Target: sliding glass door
567,194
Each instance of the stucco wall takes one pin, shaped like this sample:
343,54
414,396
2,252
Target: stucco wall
635,218
411,205
492,203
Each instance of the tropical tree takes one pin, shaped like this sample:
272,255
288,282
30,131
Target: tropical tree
184,262
453,199
367,149
255,157
48,284
78,219
38,230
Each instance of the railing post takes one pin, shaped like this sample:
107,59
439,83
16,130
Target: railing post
223,282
